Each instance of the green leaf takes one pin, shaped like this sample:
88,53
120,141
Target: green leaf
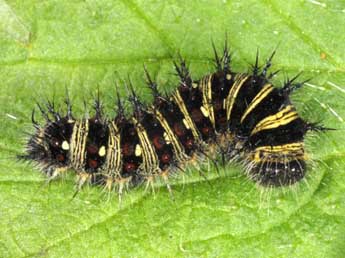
47,45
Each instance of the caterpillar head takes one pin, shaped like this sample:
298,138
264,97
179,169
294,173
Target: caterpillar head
278,173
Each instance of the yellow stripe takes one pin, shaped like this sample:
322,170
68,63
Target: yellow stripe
283,117
113,164
78,144
258,98
279,153
177,146
229,102
290,147
206,88
179,102
150,164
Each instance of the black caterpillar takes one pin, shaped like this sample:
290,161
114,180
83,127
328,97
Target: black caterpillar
237,115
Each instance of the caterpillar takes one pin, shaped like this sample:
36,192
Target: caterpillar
238,116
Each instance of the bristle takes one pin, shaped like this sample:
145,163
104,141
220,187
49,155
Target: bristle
43,112
183,73
217,60
226,58
51,109
98,106
69,105
34,122
151,84
290,85
255,67
134,100
268,64
222,63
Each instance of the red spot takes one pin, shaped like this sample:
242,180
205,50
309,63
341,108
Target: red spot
218,105
205,130
92,149
165,158
129,167
196,115
222,121
179,129
60,157
93,163
189,143
158,142
222,117
127,149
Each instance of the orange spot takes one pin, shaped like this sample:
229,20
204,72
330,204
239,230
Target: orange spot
189,143
130,167
165,158
179,129
205,130
127,149
196,115
218,105
92,163
92,149
60,157
158,142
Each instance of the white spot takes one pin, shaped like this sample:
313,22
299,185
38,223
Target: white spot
194,85
204,111
198,20
275,32
65,145
228,77
166,138
138,150
186,124
101,151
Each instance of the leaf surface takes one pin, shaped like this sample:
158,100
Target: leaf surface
47,45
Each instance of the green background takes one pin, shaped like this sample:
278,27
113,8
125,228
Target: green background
48,45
